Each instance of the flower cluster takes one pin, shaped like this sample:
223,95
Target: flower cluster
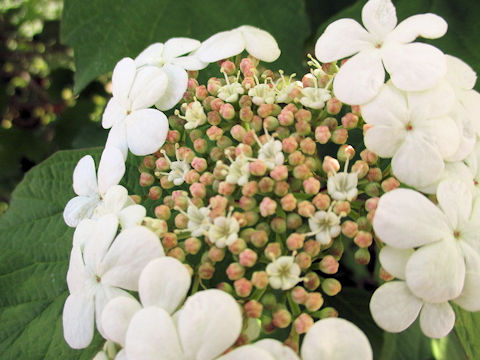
260,182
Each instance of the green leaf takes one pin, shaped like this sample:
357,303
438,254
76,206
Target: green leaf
102,32
467,328
35,247
462,17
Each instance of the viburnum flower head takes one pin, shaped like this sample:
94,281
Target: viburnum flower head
132,124
412,66
258,43
445,265
93,191
168,57
101,266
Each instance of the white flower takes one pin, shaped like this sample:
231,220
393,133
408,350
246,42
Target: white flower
101,265
314,98
194,115
283,273
164,283
230,91
225,44
168,57
325,226
414,129
224,231
473,164
198,220
178,169
208,324
238,171
132,124
447,261
91,191
285,88
266,349
262,94
343,186
270,152
412,66
335,339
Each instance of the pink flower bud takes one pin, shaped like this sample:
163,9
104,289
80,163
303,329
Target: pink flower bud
272,251
247,67
342,208
330,165
253,309
295,241
258,168
185,154
362,256
199,164
181,221
361,168
216,154
289,145
173,136
168,201
268,207
162,164
164,183
311,281
214,133
155,192
207,179
303,323
279,172
312,247
282,318
349,228
374,174
162,212
216,254
246,114
200,146
201,92
238,132
311,186
265,110
303,127
226,287
206,271
331,286
371,204
177,253
237,247
249,138
248,82
333,106
243,149
369,157
146,179
286,118
228,67
192,84
192,177
306,209
328,265
260,279
225,188
390,184
314,301
247,203
227,111
301,172
213,117
363,239
340,136
279,225
308,80
265,185
149,162
322,134
308,146
248,258
235,271
281,188
303,260
299,295
288,202
216,104
243,287
345,152
169,240
321,201
251,218
192,245
250,188
270,123
259,238
349,121
303,115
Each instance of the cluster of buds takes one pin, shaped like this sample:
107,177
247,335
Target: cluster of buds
261,193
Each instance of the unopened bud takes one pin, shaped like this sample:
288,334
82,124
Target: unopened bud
362,256
328,265
311,281
303,323
243,287
331,286
390,184
282,318
340,136
260,279
146,179
349,228
314,301
248,257
253,309
299,295
333,106
369,157
235,271
272,251
268,207
349,121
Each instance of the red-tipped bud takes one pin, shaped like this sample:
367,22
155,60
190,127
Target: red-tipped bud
331,286
303,323
314,301
260,279
243,287
322,134
328,265
253,309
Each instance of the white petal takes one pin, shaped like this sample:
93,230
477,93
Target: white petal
389,108
103,296
77,277
335,339
115,199
116,316
85,177
152,335
384,140
363,71
152,55
117,137
456,170
429,26
221,46
177,85
189,62
471,102
209,323
436,272
455,200
394,260
418,161
122,79
114,112
460,74
164,283
394,308
176,47
404,219
278,350
437,320
470,297
131,216
78,209
110,169
78,320
260,43
432,103
149,86
96,247
128,255
379,17
414,67
443,132
250,352
146,131
466,130
121,355
341,39
83,232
